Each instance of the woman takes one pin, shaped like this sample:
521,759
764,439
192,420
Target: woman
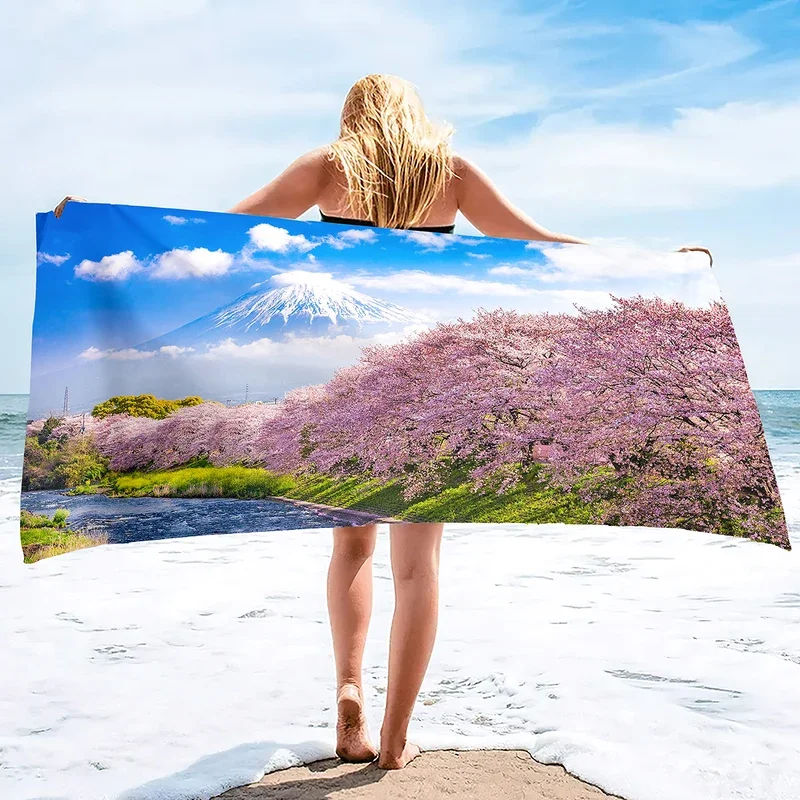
393,168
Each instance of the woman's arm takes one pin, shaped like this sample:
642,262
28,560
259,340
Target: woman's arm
294,191
70,198
492,214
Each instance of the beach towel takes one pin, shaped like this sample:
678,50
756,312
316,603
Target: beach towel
201,373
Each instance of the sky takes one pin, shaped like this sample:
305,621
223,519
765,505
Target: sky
117,283
659,125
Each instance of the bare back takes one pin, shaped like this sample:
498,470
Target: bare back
314,180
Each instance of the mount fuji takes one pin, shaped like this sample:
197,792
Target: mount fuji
294,307
303,304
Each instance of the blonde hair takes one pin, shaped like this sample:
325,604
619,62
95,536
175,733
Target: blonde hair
395,160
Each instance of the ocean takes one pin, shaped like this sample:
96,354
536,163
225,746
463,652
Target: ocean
13,413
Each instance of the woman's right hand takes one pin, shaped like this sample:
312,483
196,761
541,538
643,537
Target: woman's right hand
59,209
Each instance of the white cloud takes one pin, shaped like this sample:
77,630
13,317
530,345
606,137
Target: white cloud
300,276
128,354
333,241
358,235
195,263
116,267
174,264
478,255
577,263
318,351
575,164
176,220
427,240
123,16
348,238
694,286
526,298
511,270
49,258
416,281
273,239
93,354
173,351
260,350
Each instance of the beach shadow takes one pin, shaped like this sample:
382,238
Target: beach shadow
321,786
241,765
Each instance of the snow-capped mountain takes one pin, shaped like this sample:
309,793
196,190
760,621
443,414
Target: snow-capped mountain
290,309
306,304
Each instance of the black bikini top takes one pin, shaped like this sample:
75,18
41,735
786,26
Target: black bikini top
366,223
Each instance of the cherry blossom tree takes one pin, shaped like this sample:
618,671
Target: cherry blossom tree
213,431
645,408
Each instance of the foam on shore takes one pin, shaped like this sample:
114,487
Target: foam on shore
654,664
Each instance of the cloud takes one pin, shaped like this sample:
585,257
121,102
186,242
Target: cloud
348,238
132,354
511,270
173,264
49,258
701,158
175,220
93,354
272,239
128,354
694,285
358,235
478,255
260,350
318,351
116,267
416,281
428,241
576,263
173,351
301,276
195,263
116,16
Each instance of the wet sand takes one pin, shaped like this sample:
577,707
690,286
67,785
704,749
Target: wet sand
477,775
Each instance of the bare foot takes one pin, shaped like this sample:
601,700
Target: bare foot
352,737
392,759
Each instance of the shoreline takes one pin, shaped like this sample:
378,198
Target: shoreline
434,775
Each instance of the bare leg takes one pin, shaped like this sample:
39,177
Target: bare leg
350,607
415,567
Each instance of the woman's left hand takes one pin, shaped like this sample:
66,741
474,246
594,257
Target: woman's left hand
698,250
70,198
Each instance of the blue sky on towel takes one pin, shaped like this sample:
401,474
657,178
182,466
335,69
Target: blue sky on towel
623,121
146,272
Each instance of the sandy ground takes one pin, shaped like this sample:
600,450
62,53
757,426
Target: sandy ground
477,775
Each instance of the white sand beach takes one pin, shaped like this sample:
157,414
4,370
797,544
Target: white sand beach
653,664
